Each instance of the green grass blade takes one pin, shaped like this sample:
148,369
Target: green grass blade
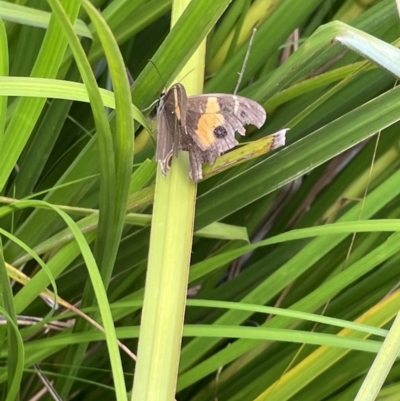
46,66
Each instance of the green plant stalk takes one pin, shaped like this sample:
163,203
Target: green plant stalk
168,265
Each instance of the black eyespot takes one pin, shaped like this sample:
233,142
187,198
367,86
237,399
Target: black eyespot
243,114
220,132
169,161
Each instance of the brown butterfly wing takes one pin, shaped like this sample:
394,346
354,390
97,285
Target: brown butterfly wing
165,144
203,125
212,120
171,114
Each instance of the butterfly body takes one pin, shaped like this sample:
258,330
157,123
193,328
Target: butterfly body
204,125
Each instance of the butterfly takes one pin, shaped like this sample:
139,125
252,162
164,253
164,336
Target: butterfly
203,125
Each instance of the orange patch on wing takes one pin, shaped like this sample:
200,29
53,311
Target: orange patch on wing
208,122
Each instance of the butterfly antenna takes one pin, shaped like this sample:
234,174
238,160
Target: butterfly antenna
246,58
186,74
158,72
163,81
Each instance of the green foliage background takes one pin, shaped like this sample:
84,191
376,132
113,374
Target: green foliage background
295,259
